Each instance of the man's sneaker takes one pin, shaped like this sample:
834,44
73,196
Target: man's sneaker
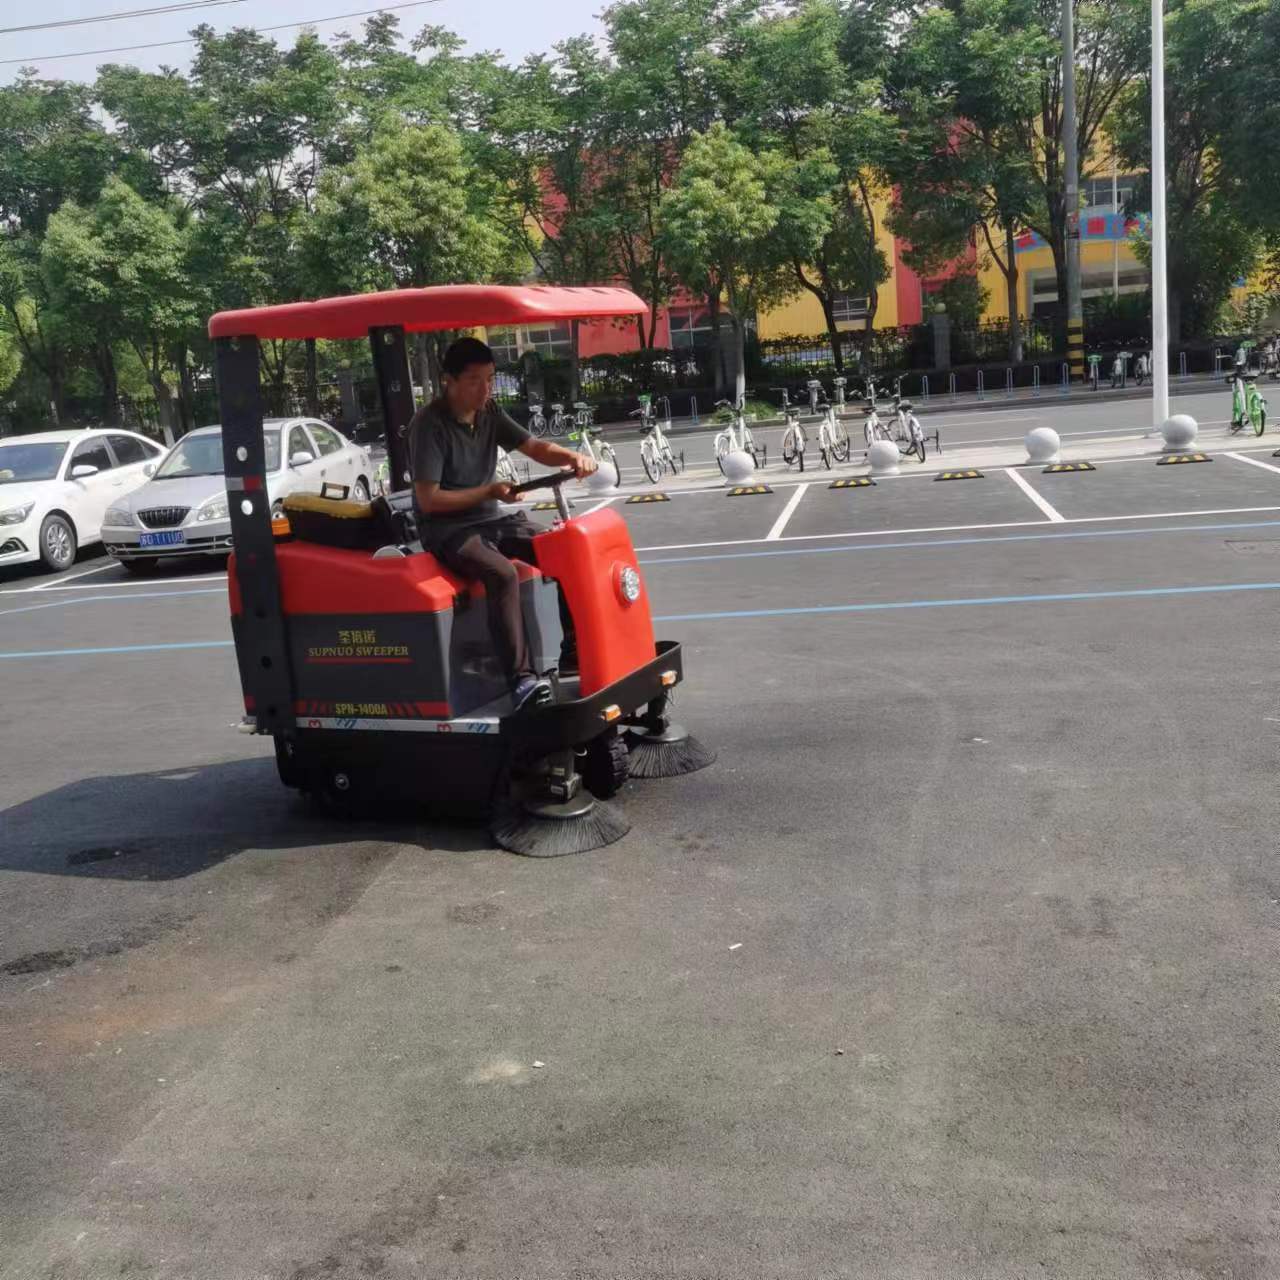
530,692
568,664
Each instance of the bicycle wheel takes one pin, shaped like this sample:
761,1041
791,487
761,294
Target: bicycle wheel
610,459
840,443
651,461
722,448
825,450
675,461
1259,419
537,425
791,450
918,448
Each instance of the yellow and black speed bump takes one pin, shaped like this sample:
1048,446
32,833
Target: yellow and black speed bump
1171,459
1057,468
747,490
851,482
551,506
970,473
646,497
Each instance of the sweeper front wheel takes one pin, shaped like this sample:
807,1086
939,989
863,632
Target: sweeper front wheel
605,765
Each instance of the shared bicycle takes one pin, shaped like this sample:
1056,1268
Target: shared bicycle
589,439
910,435
656,454
1248,408
737,437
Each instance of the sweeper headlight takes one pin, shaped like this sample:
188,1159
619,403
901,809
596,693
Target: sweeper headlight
628,582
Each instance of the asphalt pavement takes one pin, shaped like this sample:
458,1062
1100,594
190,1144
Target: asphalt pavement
959,963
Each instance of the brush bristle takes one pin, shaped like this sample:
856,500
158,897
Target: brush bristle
520,831
658,759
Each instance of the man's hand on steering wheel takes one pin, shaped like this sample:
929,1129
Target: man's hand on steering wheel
584,465
503,491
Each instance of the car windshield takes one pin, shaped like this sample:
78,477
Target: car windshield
201,455
38,460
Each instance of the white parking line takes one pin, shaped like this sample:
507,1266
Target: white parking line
600,505
956,528
123,584
54,582
781,522
1255,462
1047,507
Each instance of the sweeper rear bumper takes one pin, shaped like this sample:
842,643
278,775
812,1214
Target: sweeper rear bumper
458,767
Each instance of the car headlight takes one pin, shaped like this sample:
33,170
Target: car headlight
214,509
16,515
118,518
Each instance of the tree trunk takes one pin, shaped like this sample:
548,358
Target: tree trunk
422,353
740,347
1173,301
104,362
575,370
186,389
717,361
313,389
833,334
1011,284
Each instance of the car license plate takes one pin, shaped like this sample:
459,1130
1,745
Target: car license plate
169,538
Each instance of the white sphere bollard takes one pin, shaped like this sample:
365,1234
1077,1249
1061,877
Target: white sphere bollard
1042,444
603,481
884,458
1179,432
738,466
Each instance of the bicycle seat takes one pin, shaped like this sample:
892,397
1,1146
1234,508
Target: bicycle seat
557,408
905,404
581,404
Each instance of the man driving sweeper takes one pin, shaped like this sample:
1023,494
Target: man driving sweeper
454,442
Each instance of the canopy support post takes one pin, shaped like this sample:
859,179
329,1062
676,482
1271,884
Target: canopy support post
395,389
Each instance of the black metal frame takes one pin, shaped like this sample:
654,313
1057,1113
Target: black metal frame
395,390
261,647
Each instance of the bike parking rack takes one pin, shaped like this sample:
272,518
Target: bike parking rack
1035,380
1182,364
693,409
924,387
953,386
1065,387
982,392
1008,383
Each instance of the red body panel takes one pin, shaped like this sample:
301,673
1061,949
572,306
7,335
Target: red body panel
585,556
319,579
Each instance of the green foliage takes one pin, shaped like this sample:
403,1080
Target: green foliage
965,298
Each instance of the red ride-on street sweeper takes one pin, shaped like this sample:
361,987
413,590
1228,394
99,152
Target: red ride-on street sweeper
372,666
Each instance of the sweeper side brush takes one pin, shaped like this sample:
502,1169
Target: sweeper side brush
554,829
661,749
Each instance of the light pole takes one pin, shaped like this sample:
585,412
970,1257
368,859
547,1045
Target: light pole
1159,301
1075,313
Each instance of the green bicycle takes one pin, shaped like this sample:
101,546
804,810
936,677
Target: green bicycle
1248,408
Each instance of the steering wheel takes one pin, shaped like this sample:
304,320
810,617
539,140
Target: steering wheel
553,481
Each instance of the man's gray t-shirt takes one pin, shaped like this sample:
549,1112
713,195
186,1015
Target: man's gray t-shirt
457,456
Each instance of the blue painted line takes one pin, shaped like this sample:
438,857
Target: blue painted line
135,595
972,600
122,648
963,542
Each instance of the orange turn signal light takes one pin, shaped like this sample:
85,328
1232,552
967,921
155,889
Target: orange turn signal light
279,526
668,678
611,713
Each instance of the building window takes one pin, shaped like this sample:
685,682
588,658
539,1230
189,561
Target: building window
548,340
1097,191
689,329
848,306
505,344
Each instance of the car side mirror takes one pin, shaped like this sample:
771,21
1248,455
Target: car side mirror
149,470
83,469
301,458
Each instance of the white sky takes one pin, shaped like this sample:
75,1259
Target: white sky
513,27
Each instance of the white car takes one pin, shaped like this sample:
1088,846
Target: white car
182,509
56,486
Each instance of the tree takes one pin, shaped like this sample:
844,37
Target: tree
410,212
809,85
120,268
717,224
963,78
1221,167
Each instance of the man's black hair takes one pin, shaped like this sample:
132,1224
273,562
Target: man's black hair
463,353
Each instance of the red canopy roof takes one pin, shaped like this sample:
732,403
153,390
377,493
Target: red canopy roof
453,306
